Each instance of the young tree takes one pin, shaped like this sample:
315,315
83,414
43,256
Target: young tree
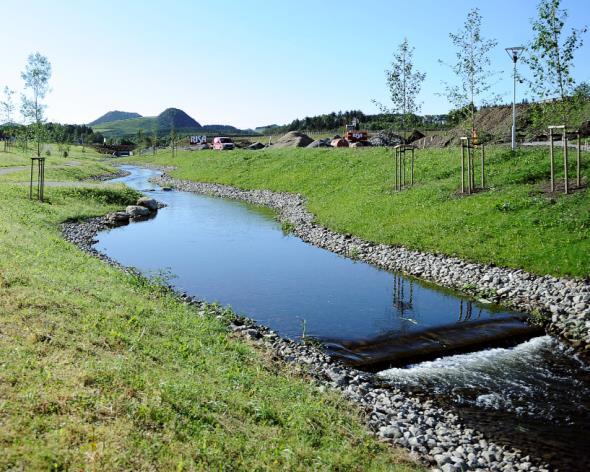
36,76
173,140
404,83
7,108
472,67
551,59
154,139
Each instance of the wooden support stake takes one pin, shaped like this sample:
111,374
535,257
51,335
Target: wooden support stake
462,167
395,165
31,182
468,169
551,160
483,182
565,181
402,157
578,158
412,182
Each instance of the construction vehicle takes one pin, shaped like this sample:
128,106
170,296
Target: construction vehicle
355,135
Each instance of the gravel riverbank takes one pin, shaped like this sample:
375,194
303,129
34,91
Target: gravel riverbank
562,305
433,434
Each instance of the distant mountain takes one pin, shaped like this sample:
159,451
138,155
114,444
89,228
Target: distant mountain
162,124
177,119
114,115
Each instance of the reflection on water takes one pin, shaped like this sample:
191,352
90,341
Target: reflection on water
236,254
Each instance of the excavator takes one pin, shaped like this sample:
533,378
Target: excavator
353,134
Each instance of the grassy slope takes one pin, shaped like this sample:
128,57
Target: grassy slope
79,165
512,224
101,371
147,124
16,157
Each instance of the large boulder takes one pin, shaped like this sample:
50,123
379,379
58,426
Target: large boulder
386,138
136,211
415,136
320,143
118,218
293,139
339,142
255,146
147,202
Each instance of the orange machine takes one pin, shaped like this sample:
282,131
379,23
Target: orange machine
353,134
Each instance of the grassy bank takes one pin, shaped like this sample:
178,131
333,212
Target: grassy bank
81,164
512,224
102,371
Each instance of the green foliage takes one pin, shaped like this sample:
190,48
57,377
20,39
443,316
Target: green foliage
36,77
404,83
512,224
473,66
7,106
551,59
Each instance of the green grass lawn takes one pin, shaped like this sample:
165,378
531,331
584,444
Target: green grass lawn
512,224
81,163
18,157
100,370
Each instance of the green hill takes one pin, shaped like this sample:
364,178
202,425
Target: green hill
114,115
171,118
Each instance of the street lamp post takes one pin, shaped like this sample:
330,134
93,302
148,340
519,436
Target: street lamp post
514,54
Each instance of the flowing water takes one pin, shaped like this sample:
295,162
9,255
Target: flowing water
533,395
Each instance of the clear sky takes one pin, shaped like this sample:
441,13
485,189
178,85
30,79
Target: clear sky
248,62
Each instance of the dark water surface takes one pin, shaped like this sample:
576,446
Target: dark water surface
236,254
534,395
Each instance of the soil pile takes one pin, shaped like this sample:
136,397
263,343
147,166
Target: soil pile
386,138
293,139
435,141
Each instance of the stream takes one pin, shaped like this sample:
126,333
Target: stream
502,376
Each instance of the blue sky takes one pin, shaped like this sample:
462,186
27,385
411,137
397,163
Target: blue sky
250,62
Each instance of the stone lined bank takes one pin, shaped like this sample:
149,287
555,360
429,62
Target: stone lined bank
433,434
562,305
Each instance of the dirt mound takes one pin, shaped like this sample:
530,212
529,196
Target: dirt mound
415,136
494,123
434,141
293,139
386,138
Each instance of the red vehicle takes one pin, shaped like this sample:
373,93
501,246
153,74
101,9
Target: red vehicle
223,144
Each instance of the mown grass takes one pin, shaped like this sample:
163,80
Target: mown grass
101,370
17,157
511,224
80,164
